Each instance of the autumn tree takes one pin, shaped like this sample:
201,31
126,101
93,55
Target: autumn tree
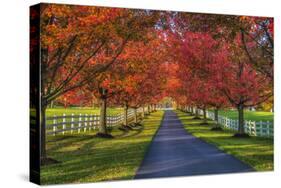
70,37
196,59
123,78
143,79
257,39
242,84
74,36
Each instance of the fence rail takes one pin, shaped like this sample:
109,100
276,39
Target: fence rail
83,122
254,128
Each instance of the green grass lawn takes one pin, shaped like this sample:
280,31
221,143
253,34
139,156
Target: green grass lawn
248,115
85,158
255,151
77,111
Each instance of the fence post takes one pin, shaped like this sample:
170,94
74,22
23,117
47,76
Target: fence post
261,128
255,128
226,122
251,127
112,121
268,128
63,124
54,125
248,127
95,121
79,123
117,119
72,123
109,120
90,123
85,122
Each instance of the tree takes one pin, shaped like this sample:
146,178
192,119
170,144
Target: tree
242,84
72,37
122,80
257,39
143,76
197,60
216,99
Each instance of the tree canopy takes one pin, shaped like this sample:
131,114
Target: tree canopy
134,58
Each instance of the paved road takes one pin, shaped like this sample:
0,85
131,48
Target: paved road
174,152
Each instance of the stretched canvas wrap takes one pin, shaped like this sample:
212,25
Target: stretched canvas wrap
119,94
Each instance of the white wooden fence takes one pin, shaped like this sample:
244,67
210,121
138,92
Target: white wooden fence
83,122
254,128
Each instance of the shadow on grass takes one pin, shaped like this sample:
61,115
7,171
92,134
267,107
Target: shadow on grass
255,151
86,158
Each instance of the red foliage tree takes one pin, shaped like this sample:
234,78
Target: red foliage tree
242,84
143,79
80,42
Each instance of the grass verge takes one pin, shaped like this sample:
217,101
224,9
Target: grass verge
77,111
255,151
248,115
85,158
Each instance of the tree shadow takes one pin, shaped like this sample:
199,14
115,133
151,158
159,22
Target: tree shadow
83,167
85,158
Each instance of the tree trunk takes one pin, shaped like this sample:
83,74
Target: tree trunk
102,127
204,115
51,104
43,133
217,116
240,108
125,115
143,112
136,115
148,109
196,112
